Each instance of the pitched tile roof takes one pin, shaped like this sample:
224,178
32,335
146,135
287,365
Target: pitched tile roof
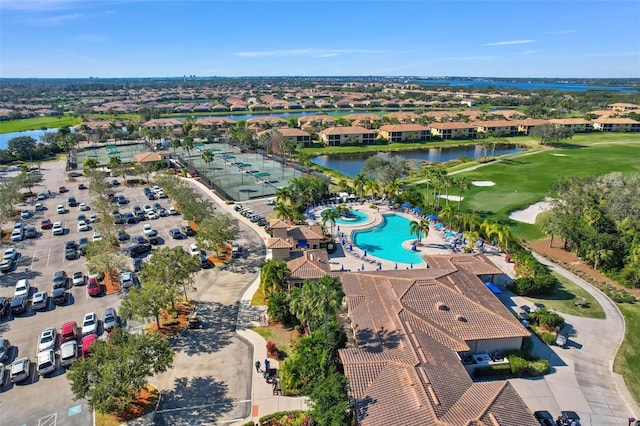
408,127
279,224
308,264
278,243
150,156
305,232
406,369
346,130
476,263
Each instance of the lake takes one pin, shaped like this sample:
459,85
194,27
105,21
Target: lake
525,85
351,164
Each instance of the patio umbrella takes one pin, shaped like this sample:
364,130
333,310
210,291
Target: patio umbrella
396,267
417,209
350,247
438,225
342,267
344,241
412,266
432,217
406,205
364,253
362,267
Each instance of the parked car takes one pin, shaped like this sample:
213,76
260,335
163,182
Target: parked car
5,347
10,253
69,331
176,234
61,209
20,370
5,306
90,324
172,211
123,236
126,279
19,304
82,245
138,249
46,362
561,340
82,186
22,288
62,189
118,219
194,250
30,232
97,236
58,229
139,239
87,341
78,278
39,207
69,254
59,279
25,214
109,319
48,339
83,226
68,353
46,224
188,231
93,286
93,218
122,200
40,300
72,202
6,265
567,417
152,215
545,418
148,231
59,296
17,235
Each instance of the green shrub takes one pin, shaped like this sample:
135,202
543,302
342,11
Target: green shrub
493,371
548,338
539,367
518,365
527,345
548,319
268,417
168,323
249,423
542,284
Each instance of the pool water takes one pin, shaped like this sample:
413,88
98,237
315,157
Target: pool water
385,240
359,218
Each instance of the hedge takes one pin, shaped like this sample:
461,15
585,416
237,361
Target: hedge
266,418
548,338
519,366
539,367
502,370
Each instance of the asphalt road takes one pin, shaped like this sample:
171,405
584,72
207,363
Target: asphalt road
48,400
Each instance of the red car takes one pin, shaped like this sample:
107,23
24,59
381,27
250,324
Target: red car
93,286
62,189
69,331
46,224
87,341
82,186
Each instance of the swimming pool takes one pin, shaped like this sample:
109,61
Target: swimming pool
358,218
385,240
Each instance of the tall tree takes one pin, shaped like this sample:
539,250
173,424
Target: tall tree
207,157
217,231
273,275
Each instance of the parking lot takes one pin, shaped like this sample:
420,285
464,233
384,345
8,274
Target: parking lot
48,400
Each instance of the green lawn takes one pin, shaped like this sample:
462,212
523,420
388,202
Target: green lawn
280,339
526,179
628,357
36,123
564,297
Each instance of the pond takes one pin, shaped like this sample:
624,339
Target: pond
351,164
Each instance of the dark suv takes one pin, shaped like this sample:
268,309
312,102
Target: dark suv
138,249
59,279
5,306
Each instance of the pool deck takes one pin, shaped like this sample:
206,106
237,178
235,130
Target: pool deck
354,260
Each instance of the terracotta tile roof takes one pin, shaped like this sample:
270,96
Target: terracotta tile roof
163,122
476,263
495,123
530,122
615,121
451,125
278,224
403,115
309,264
409,127
362,117
306,232
566,121
318,118
289,132
279,243
406,369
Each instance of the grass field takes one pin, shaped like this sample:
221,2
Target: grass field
36,123
564,297
628,357
526,179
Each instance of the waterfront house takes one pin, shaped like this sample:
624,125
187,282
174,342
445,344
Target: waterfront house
453,130
576,125
298,137
171,126
616,125
623,107
347,135
497,127
404,132
525,126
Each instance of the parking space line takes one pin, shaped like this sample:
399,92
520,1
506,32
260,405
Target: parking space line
49,420
48,255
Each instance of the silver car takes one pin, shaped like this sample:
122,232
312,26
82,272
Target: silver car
68,353
46,362
20,370
40,300
47,339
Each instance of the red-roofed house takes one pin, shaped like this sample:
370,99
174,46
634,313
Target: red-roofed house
348,135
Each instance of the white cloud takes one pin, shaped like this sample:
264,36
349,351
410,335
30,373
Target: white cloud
320,53
509,42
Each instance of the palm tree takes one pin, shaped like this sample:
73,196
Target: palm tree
323,298
285,211
447,182
273,276
463,184
437,177
300,306
207,157
392,189
283,195
331,215
448,213
67,142
187,143
420,228
372,186
359,183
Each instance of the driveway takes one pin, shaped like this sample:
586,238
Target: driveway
210,381
582,377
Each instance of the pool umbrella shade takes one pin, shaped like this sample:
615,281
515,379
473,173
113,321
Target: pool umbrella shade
417,209
362,267
432,217
406,205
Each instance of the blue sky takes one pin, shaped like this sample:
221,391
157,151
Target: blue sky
159,38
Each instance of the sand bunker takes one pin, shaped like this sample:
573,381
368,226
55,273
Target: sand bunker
530,214
482,183
559,155
452,197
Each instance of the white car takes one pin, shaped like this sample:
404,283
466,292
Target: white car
60,209
90,324
25,214
78,278
22,288
47,339
39,207
194,250
20,370
40,300
172,211
83,207
93,218
152,215
46,362
11,253
148,231
68,353
147,208
97,236
57,228
17,234
83,226
126,279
